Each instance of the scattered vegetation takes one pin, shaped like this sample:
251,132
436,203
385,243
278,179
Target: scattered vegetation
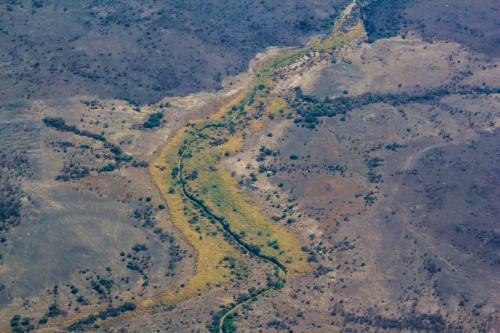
60,125
309,109
83,324
205,201
14,166
73,170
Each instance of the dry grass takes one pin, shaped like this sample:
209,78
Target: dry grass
210,250
219,190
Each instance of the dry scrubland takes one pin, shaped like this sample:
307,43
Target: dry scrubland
366,163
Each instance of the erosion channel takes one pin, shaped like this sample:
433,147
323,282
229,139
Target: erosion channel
204,201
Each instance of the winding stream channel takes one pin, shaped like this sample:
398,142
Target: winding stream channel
280,268
199,146
209,132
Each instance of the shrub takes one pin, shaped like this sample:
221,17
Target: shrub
154,120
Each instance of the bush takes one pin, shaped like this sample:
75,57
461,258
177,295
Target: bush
139,247
154,120
108,167
255,249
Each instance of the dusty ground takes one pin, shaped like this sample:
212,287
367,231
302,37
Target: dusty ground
395,202
419,241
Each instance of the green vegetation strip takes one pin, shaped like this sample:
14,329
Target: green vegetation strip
219,321
198,148
235,119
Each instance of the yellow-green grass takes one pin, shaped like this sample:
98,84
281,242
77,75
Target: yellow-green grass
210,249
219,191
334,39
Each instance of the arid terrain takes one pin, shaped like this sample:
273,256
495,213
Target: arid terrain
238,166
